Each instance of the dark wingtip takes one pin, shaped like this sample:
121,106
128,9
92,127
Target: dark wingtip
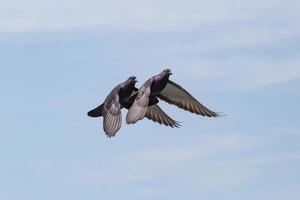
110,136
221,114
177,124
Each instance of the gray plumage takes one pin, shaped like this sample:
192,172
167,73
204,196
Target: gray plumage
176,95
111,107
123,96
152,110
160,86
112,113
139,108
156,114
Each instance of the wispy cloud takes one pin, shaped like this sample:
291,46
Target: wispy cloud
240,73
214,28
74,51
168,15
215,163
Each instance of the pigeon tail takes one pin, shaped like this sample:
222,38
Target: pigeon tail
97,112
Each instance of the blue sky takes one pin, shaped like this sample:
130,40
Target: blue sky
61,58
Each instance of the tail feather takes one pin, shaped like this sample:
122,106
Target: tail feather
96,112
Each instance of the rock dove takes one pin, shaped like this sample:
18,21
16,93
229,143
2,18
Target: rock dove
160,86
154,112
123,96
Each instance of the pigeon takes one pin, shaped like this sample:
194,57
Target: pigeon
161,87
123,96
154,112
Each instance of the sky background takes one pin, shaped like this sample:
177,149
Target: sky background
60,58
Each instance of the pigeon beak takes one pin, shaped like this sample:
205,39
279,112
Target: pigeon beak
170,73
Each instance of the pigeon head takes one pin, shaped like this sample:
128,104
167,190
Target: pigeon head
131,79
166,73
130,82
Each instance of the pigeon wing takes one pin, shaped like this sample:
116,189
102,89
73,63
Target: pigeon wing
139,107
112,113
156,114
176,95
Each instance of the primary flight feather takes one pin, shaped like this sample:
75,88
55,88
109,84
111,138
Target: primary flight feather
161,87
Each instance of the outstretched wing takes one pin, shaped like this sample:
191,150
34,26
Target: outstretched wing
156,114
112,113
139,107
175,94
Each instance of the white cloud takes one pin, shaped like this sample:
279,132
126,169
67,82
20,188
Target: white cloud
221,161
241,72
56,15
209,163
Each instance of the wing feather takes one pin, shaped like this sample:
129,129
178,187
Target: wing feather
156,114
139,108
176,95
112,113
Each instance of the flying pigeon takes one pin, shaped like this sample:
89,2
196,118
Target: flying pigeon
160,86
123,96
